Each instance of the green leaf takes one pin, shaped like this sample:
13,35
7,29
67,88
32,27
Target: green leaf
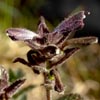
71,97
12,76
23,91
19,73
23,97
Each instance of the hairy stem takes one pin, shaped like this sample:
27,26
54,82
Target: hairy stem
49,94
48,90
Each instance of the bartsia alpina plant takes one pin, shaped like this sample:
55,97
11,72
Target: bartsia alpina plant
50,48
8,90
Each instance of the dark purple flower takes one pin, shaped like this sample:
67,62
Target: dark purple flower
48,45
50,48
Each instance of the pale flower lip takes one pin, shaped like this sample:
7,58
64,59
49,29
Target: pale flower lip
21,34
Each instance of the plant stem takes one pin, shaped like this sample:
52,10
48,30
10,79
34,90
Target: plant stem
49,94
48,90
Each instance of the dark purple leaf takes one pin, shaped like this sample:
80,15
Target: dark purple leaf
58,83
79,42
10,90
21,60
59,59
3,78
6,90
3,84
33,44
37,43
42,27
1,96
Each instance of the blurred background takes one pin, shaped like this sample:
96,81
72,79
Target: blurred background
81,72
